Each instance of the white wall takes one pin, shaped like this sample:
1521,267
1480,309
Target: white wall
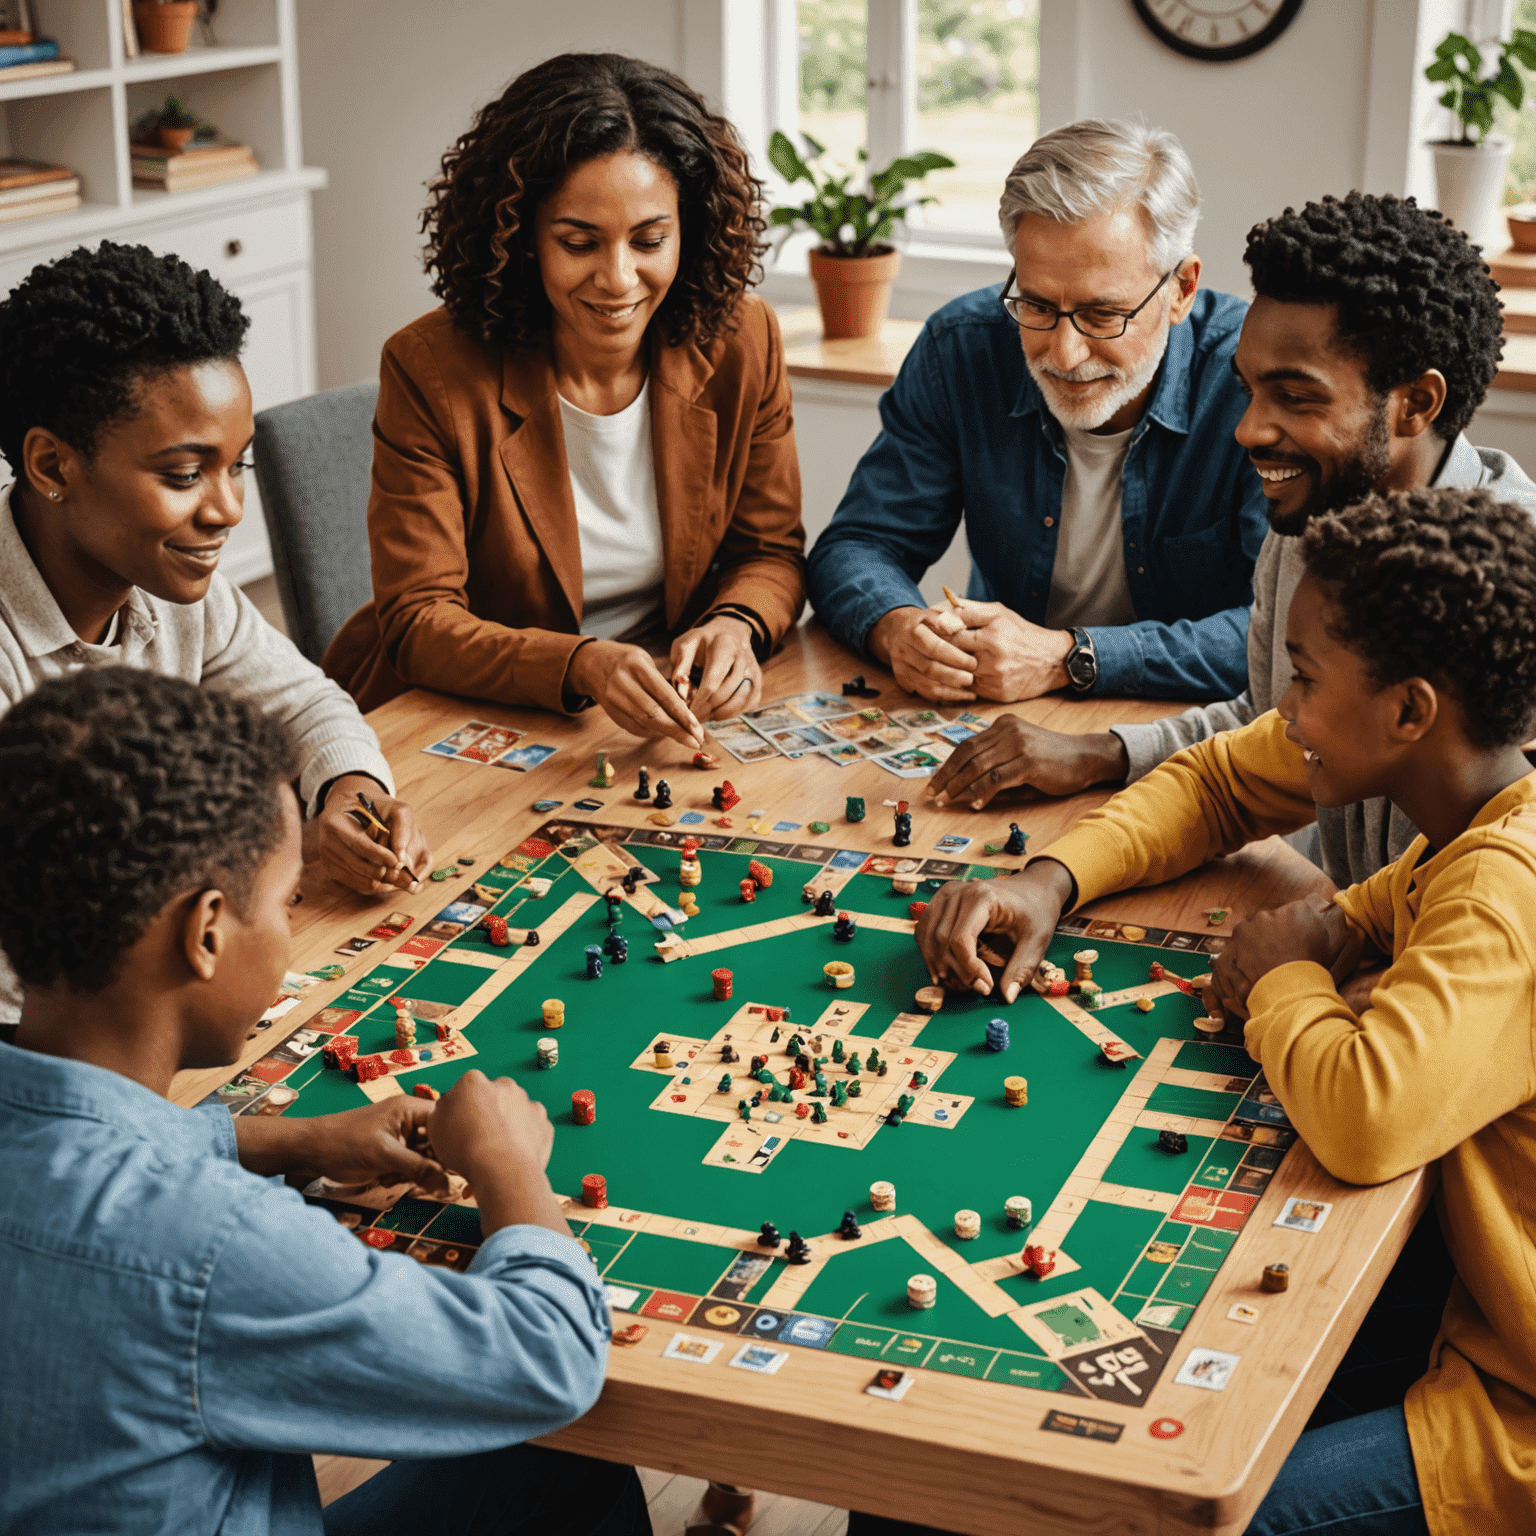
386,86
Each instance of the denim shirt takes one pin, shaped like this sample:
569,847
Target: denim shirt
181,1334
966,432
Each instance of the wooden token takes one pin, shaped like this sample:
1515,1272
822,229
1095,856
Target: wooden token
929,999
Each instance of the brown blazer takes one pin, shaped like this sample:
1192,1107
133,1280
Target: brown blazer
472,526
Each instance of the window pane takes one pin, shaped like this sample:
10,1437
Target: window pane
833,66
978,75
1520,184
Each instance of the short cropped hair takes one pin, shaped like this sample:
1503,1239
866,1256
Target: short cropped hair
123,790
479,221
1092,166
1438,584
79,335
1410,290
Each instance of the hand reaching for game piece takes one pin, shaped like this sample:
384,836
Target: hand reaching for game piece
731,682
631,691
1013,753
361,857
923,660
1024,908
1313,928
380,1142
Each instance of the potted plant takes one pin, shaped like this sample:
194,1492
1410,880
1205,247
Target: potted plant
172,126
854,265
164,26
1469,170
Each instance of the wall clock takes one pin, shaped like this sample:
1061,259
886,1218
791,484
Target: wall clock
1216,31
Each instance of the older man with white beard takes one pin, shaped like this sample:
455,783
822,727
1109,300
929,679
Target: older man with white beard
1080,420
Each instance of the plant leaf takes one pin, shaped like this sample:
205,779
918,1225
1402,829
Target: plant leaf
816,147
782,157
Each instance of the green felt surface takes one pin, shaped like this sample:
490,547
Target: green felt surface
653,1160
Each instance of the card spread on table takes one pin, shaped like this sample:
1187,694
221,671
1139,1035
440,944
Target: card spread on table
1208,1368
696,1351
521,759
759,1358
1303,1215
891,1383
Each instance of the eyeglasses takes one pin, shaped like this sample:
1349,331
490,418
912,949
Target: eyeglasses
1093,320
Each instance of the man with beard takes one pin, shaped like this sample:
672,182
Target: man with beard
1374,333
1080,419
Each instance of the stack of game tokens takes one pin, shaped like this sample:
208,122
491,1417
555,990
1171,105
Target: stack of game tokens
997,1034
688,904
967,1224
1019,1212
689,872
1016,1091
922,1291
882,1195
723,980
496,930
584,1107
554,1013
549,1054
1082,964
594,1191
405,1027
662,1052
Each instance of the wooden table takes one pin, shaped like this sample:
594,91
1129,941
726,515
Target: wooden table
964,1455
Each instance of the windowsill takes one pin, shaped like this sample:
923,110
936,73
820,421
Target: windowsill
1515,272
868,360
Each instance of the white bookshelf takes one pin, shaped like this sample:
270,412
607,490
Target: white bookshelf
253,235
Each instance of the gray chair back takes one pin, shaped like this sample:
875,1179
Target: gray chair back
314,463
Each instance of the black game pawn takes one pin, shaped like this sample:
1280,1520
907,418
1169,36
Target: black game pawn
1172,1142
1015,843
902,837
728,1054
631,878
643,789
798,1251
769,1236
663,795
845,928
850,1231
803,1062
826,905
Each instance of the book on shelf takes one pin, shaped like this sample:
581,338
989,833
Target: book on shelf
131,48
14,37
36,71
33,192
38,52
198,165
30,173
11,213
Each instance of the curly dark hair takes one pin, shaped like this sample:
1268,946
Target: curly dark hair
123,790
479,222
1411,292
1438,584
79,335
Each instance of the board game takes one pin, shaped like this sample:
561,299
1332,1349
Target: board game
1135,1233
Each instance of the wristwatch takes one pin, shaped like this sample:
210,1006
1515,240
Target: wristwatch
1082,663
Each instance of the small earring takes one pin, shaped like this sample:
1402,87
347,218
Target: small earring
53,495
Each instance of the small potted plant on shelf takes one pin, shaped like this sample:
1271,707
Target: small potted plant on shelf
172,126
164,26
1469,170
854,265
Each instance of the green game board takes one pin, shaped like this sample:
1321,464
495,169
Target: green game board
1136,1252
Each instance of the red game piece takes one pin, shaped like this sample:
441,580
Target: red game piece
725,796
1165,1429
760,872
749,890
496,930
584,1107
631,1335
775,1015
403,1057
723,980
444,1029
802,1111
377,1237
369,1067
690,847
1039,1260
705,760
425,1091
796,1078
594,1191
339,1051
1156,971
915,909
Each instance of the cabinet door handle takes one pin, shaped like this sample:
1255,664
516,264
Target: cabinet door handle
233,247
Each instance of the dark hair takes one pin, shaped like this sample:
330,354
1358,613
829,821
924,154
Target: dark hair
479,222
78,335
122,790
1411,292
1438,584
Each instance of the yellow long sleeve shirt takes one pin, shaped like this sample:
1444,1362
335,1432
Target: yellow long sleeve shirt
1441,1067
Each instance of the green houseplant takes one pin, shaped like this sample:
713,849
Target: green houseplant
854,263
172,125
1469,169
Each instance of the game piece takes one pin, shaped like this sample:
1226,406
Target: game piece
894,1116
845,928
615,901
749,890
368,1068
919,1080
554,1013
821,1083
688,904
339,1051
630,880
760,872
854,809
1277,1277
838,1052
420,1091
798,1250
797,1079
891,1383
725,1083
1091,996
728,1054
723,980
857,688
594,1191
705,760
643,788
594,961
1049,980
1082,962
743,1109
496,930
627,1337
850,1231
769,1236
1172,1142
967,1225
839,1095
443,1029
523,936
725,796
802,1111
616,948
467,860
405,1028
881,1070
1018,1212
763,1075
819,827
1039,1260
1016,839
603,778
663,799
662,818
549,1053
1016,1091
819,1114
922,1292
826,905
583,1107
882,1195
1145,1004
662,1051
1216,916
904,885
1112,1054
997,1034
902,836
839,973
442,874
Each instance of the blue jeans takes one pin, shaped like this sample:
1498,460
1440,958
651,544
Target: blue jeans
521,1490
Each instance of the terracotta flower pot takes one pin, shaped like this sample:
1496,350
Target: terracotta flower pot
854,292
1522,226
164,28
174,139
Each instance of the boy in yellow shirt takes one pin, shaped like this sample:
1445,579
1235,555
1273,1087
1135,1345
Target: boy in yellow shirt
1413,636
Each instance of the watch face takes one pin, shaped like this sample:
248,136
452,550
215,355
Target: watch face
1216,31
1081,668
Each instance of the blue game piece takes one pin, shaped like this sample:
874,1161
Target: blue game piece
997,1034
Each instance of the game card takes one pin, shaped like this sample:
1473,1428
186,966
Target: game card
392,926
1241,1312
891,1383
1208,1368
744,744
952,842
466,736
759,1358
521,759
696,1351
1303,1215
920,719
844,754
621,1298
354,946
492,744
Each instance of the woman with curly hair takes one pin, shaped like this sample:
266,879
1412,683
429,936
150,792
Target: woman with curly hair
589,448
